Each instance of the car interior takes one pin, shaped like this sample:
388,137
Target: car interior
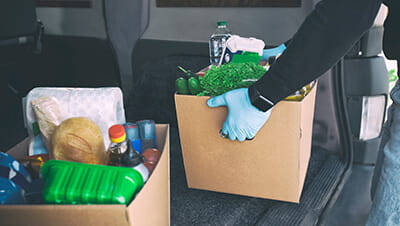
138,46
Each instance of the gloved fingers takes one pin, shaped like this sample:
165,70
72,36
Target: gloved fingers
228,131
249,135
217,101
267,53
232,135
239,132
222,134
240,137
225,129
232,132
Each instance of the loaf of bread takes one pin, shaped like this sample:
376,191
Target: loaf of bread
80,140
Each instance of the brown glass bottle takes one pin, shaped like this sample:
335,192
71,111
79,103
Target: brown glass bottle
151,156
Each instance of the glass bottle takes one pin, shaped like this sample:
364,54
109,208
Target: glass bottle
117,146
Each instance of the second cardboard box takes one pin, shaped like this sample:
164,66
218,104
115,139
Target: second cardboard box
273,165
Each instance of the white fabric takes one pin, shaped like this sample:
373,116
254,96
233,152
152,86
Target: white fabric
102,105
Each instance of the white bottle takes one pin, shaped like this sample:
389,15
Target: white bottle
217,42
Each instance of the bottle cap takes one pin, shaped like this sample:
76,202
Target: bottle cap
132,131
222,23
117,133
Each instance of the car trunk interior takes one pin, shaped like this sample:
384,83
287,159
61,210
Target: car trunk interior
75,55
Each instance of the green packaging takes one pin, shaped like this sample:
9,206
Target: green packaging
78,183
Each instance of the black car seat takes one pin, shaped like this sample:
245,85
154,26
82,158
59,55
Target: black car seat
18,24
20,37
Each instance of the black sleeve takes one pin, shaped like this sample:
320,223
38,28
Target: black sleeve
323,38
391,35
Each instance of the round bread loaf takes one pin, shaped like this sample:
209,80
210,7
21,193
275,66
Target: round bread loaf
79,140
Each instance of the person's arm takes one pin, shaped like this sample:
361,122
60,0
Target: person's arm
324,37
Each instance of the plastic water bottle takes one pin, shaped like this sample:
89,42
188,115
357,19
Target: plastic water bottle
217,42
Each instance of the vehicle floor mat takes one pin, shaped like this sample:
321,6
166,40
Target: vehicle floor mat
314,198
199,207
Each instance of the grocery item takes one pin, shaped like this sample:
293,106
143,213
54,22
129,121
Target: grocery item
80,140
227,77
271,54
33,163
300,94
131,158
132,134
181,86
10,193
79,183
34,194
49,115
194,85
151,157
189,84
147,133
217,42
37,145
104,106
188,73
14,180
117,146
243,50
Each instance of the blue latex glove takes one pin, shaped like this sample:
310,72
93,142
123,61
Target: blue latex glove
267,53
243,120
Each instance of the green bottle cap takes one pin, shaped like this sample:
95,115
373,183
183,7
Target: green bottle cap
222,23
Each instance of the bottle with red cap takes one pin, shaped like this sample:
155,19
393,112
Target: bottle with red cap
118,145
121,152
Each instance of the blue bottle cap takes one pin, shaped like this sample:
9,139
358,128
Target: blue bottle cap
132,131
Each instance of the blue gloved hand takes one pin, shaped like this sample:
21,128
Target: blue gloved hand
267,53
243,120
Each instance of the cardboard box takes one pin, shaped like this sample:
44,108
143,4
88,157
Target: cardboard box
150,207
273,165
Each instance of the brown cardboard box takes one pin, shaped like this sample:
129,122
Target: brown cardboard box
273,165
150,206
